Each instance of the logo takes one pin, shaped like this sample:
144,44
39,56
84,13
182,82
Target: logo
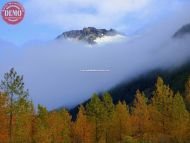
13,12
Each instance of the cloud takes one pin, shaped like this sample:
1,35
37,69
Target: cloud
52,70
69,14
128,16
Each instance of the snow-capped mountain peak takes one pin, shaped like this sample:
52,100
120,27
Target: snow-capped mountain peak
92,35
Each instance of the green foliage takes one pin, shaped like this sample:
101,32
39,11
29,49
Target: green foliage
18,106
13,85
96,113
95,108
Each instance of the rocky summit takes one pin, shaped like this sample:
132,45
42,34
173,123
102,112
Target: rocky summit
88,35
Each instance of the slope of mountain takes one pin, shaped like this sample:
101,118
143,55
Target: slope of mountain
176,78
183,31
92,35
146,83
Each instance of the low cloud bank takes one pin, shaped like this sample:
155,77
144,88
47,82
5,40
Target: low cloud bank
54,71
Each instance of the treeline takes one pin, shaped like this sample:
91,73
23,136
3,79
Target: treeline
165,118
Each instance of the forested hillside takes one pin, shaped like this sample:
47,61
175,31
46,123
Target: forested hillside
125,91
163,118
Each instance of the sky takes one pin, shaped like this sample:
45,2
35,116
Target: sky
52,69
46,19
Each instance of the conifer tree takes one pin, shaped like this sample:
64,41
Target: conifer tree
13,86
96,112
41,129
82,127
59,126
187,94
65,126
180,119
4,134
22,131
171,113
108,117
162,101
121,122
140,116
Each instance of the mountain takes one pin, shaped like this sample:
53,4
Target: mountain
183,31
125,91
92,35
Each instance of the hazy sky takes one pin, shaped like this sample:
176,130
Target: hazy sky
45,19
51,68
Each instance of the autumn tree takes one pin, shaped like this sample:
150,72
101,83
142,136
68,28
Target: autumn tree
59,126
187,94
162,101
13,86
4,134
140,119
171,113
65,125
41,129
55,127
179,119
163,118
121,122
22,131
82,128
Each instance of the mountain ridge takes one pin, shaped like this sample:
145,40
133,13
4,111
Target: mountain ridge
183,31
89,34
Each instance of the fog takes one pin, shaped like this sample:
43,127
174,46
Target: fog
52,70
